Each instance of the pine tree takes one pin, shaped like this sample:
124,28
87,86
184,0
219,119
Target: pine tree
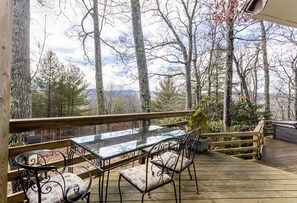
76,91
168,97
47,80
59,90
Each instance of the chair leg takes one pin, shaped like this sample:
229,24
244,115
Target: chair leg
190,173
195,178
179,187
119,185
142,198
88,197
174,191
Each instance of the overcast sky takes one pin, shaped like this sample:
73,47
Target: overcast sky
68,48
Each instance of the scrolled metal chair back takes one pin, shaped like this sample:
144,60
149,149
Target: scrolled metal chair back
34,171
166,153
38,176
189,144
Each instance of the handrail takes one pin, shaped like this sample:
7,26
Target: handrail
23,125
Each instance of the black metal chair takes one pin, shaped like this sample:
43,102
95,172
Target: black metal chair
149,176
47,183
186,158
174,126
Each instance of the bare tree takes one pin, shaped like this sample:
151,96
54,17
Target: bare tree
244,69
290,35
99,19
266,68
228,13
145,96
178,20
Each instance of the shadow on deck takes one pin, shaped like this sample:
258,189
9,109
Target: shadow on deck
221,178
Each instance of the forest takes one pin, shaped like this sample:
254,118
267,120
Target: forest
204,54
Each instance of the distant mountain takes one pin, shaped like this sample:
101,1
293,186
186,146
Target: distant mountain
115,93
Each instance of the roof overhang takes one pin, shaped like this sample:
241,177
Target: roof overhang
278,11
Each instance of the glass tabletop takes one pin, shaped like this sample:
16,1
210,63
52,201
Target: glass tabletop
113,144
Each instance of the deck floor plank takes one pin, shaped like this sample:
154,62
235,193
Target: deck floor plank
222,179
280,154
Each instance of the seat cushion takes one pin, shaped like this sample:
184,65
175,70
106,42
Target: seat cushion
168,159
137,176
55,195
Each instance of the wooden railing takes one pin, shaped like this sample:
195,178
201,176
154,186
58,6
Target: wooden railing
219,141
233,143
23,125
239,144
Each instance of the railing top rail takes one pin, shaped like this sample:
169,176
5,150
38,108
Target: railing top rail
22,125
249,133
260,126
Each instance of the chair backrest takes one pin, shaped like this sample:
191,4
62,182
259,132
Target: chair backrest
38,176
166,153
189,144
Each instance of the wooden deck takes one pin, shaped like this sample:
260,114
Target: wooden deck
221,179
280,154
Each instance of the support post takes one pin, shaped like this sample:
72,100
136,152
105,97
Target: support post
5,68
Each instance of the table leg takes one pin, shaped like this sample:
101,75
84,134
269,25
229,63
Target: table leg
107,181
101,186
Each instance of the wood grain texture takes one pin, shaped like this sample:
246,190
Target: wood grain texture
221,179
22,125
5,67
280,154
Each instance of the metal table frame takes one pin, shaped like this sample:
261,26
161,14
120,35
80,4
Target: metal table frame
108,162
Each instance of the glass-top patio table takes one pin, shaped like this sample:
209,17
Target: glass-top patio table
107,151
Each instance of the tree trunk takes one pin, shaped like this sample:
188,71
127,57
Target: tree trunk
266,70
21,105
294,64
98,63
295,106
145,96
209,73
289,101
209,68
5,65
198,85
245,92
217,83
21,102
188,86
255,95
228,75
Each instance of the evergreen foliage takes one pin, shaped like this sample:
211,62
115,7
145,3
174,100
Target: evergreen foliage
168,97
59,90
212,107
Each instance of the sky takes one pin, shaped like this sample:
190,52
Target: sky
61,38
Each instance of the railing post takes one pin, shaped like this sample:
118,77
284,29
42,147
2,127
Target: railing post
5,69
260,142
143,123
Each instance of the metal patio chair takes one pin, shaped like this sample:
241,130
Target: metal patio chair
45,183
149,176
185,160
